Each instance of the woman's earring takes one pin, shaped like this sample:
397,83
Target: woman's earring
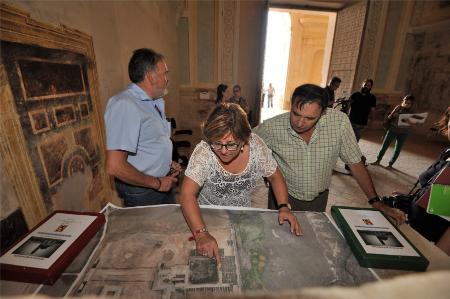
242,149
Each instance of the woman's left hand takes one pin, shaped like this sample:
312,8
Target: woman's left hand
286,215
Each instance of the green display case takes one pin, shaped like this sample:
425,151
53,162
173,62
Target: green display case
375,241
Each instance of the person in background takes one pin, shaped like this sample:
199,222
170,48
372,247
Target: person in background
306,142
238,99
361,104
396,132
270,94
332,86
139,149
223,171
263,96
223,94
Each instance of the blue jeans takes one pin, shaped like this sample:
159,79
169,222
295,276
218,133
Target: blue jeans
140,196
400,139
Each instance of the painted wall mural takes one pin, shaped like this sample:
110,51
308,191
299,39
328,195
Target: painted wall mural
51,95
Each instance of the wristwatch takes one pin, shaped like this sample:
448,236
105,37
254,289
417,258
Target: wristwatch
374,200
287,205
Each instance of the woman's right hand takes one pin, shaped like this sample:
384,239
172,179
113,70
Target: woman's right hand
207,246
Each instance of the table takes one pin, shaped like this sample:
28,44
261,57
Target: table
145,253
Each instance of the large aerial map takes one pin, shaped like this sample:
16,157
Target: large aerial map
145,253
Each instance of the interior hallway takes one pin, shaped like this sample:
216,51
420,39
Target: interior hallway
415,157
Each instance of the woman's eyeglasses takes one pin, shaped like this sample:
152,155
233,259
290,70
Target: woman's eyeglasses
229,146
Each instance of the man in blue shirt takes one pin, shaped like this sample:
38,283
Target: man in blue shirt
139,149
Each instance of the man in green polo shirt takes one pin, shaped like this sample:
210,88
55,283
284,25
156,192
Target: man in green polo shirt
306,142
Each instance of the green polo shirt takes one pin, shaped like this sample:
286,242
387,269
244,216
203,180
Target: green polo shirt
307,168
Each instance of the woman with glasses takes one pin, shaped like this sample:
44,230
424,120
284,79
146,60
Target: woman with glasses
223,171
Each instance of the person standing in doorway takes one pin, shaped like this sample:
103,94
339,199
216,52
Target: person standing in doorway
263,96
270,94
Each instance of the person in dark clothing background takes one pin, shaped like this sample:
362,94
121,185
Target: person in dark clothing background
223,93
362,103
332,86
238,99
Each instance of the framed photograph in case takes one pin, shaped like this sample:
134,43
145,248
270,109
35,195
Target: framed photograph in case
45,252
375,241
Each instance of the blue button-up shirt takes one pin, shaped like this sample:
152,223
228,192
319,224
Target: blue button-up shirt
133,124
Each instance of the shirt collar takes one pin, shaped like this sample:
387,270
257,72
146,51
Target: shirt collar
141,94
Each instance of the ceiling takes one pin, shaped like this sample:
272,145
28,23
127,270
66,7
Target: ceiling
329,5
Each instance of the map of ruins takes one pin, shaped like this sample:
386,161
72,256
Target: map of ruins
145,253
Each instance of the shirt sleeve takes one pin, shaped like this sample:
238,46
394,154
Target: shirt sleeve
262,132
266,160
350,152
199,164
123,124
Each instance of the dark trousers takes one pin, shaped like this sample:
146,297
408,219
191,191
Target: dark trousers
358,129
140,196
318,204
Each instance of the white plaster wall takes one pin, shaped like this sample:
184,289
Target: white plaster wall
150,24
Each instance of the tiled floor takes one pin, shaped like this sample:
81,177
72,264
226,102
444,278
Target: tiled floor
417,154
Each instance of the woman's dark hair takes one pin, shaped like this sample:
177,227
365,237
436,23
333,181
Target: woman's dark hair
335,80
220,90
368,80
224,119
307,94
143,61
442,124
